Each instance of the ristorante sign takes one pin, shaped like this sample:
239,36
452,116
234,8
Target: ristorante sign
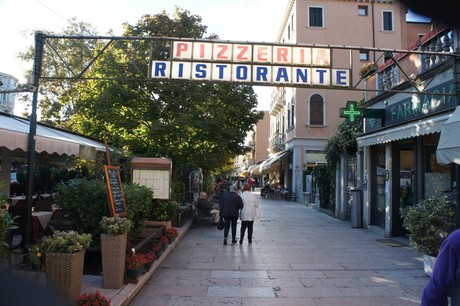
257,64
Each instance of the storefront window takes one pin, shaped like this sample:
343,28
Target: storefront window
438,178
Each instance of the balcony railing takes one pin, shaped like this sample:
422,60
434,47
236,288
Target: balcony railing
277,101
276,142
438,40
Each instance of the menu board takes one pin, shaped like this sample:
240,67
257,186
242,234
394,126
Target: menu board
115,190
159,181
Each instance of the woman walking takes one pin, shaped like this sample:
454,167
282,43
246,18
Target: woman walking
249,212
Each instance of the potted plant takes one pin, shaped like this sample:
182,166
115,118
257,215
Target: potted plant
148,260
162,212
171,233
113,250
134,265
64,260
429,223
86,299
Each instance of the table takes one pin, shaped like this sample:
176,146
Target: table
43,216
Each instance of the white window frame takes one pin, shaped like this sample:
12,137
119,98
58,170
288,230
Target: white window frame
322,16
363,10
392,21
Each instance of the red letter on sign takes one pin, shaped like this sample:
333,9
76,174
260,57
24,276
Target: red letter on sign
262,54
282,55
181,47
242,55
222,53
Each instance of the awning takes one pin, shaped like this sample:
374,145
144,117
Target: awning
266,166
14,134
448,150
414,129
252,168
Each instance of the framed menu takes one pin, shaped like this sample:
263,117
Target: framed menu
115,191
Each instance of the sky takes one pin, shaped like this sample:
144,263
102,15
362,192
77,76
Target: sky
236,20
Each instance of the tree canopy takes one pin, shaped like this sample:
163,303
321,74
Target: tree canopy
202,123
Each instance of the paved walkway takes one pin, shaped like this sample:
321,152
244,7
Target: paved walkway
299,256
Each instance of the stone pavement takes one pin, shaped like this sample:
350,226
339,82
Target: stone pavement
299,256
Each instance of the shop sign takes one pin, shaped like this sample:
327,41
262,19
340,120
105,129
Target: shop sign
421,105
251,63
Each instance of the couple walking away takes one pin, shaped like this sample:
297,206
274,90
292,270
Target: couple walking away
246,206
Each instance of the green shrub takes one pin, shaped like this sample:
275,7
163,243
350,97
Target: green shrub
138,203
86,201
163,210
429,223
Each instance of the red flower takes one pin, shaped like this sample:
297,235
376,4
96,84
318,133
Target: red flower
135,261
92,299
149,257
171,233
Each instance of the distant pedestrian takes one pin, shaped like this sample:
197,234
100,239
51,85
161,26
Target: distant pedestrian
230,203
445,279
251,183
249,213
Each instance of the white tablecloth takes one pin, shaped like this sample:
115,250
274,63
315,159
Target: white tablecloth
43,216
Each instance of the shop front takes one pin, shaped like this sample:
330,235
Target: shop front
400,162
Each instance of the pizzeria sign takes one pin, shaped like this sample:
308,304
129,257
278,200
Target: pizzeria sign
257,64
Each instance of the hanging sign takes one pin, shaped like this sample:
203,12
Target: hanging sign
251,63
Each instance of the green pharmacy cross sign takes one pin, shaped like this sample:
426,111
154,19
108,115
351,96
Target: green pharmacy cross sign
351,112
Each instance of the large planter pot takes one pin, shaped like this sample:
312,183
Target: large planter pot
166,224
64,274
428,264
113,249
134,274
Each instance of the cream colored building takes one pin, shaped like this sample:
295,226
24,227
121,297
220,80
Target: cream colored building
7,83
304,118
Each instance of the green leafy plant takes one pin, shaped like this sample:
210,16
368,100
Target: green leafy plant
90,299
65,242
429,223
115,225
163,210
85,201
138,202
6,223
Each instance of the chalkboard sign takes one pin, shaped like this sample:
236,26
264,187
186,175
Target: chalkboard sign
116,195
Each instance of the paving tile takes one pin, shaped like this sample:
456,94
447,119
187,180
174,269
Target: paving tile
240,291
239,274
278,302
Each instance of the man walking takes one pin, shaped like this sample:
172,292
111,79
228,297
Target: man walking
230,203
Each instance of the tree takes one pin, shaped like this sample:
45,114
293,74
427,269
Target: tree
57,96
202,123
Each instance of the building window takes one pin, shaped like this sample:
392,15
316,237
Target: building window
316,110
362,10
292,114
315,15
387,21
363,55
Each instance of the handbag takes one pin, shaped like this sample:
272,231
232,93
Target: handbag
220,224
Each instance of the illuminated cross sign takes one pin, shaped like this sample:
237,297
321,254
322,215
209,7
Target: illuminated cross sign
352,111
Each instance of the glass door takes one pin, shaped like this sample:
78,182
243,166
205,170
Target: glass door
378,178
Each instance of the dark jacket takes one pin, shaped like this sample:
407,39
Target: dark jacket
229,204
204,205
445,279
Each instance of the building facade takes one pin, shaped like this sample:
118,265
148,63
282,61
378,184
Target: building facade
302,119
7,83
400,164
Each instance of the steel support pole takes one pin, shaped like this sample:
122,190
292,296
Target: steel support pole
457,166
38,58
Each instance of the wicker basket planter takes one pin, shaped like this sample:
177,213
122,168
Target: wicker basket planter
113,249
64,273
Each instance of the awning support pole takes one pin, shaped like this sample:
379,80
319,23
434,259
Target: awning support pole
457,166
38,59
